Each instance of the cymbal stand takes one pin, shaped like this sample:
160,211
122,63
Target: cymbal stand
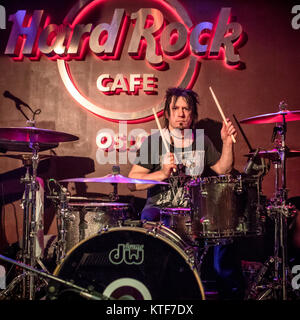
29,224
60,196
279,210
27,280
114,196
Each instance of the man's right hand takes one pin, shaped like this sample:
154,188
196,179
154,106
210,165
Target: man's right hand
168,164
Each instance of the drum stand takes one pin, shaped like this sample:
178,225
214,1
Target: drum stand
27,279
279,211
61,230
61,201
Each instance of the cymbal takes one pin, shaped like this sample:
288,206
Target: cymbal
114,178
273,117
21,146
26,157
274,154
72,198
35,135
97,204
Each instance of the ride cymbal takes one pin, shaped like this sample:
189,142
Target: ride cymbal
274,154
35,135
273,117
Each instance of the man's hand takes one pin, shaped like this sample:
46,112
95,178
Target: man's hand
227,131
168,165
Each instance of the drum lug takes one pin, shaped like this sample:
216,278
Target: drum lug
204,193
205,223
70,217
242,226
98,217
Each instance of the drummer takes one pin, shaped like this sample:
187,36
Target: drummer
177,156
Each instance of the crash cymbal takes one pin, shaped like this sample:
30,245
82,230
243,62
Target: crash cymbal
273,117
114,178
35,135
97,204
274,154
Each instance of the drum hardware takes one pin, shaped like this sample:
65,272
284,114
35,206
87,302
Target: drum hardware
33,137
243,134
63,196
27,280
278,209
114,196
83,292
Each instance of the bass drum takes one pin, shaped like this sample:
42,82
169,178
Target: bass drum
145,261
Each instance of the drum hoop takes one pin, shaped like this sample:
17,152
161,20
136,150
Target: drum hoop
226,178
141,230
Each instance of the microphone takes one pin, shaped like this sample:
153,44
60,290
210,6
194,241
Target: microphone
18,101
250,163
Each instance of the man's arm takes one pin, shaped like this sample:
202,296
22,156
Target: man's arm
225,164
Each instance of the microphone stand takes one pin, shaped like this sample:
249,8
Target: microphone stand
18,103
91,295
18,106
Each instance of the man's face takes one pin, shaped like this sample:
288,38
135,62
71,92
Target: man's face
180,114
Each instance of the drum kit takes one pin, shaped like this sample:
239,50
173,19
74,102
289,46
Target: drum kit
102,252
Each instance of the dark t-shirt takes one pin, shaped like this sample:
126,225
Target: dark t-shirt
191,162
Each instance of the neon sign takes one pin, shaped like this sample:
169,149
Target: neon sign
63,42
153,38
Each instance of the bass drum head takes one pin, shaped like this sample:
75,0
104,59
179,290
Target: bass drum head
130,263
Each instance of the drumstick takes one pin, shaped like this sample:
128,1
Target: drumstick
221,111
162,134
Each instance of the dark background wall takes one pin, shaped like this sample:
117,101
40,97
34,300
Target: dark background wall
270,55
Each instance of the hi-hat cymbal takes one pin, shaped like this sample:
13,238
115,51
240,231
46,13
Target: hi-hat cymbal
273,117
274,154
25,157
114,178
35,135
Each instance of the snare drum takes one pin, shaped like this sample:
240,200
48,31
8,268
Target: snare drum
140,261
225,207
